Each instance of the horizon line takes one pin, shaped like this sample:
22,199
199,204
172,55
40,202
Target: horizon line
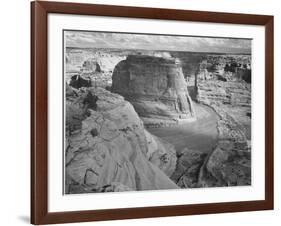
188,51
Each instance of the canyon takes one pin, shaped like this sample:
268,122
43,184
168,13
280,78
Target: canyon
148,120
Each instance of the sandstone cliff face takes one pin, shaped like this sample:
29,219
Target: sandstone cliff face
156,88
224,93
229,164
108,149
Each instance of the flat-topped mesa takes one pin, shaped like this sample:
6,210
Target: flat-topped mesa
156,87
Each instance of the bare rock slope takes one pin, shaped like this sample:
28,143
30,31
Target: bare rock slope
156,88
108,149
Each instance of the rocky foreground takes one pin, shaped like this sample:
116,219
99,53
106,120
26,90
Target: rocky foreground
108,149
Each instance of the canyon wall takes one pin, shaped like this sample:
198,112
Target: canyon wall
229,164
106,59
156,87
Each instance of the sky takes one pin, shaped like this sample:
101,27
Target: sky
83,39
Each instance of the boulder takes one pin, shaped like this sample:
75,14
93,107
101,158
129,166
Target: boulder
156,87
107,145
228,165
188,168
77,81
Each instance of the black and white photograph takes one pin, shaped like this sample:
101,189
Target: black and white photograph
155,112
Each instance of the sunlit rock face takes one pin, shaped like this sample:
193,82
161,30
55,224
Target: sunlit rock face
107,147
229,164
156,87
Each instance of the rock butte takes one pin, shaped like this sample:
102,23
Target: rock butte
156,87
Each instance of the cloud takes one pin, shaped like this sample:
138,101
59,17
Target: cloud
156,42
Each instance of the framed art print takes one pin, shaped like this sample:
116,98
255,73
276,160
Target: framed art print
145,112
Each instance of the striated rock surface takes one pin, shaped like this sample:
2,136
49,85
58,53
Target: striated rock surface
156,88
229,164
224,93
108,149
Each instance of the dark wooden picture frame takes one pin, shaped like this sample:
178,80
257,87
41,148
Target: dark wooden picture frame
39,112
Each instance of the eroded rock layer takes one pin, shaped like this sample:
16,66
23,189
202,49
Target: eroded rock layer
156,87
229,164
107,147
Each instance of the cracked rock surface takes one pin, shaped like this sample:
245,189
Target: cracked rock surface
108,149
